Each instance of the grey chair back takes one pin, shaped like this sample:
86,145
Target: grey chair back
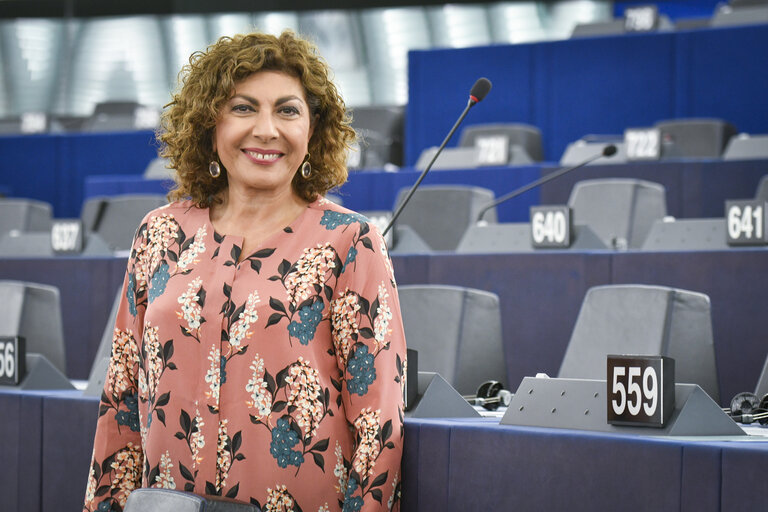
101,361
523,140
457,333
619,211
116,218
157,169
439,214
644,320
24,215
169,500
747,147
694,138
762,188
33,311
380,129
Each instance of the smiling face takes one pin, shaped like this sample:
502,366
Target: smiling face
262,133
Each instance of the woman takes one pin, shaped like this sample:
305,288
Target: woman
258,352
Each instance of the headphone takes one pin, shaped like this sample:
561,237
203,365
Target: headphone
747,408
490,395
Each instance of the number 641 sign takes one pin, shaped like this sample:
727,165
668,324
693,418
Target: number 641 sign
641,390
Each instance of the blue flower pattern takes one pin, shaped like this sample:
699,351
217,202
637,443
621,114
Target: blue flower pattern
158,282
331,220
352,504
283,439
130,418
362,370
350,258
310,318
130,294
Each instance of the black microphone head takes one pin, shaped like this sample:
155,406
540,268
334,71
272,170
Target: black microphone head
480,90
609,150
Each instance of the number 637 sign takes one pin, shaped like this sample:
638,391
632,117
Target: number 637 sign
641,390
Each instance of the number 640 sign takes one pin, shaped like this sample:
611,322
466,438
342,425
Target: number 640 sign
641,390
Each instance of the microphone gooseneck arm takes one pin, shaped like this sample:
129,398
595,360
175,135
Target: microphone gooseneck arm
478,92
608,151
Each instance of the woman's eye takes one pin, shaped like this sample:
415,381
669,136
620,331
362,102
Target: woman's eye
288,109
242,107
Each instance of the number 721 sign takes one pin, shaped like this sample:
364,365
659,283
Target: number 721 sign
641,390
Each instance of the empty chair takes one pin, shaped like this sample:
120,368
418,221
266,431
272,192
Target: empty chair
33,311
762,188
644,320
747,147
380,129
157,169
456,332
24,215
439,214
619,211
116,218
694,138
164,500
748,12
121,116
502,144
101,361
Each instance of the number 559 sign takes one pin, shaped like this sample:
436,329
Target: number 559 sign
641,390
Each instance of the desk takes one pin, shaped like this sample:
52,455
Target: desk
455,465
448,464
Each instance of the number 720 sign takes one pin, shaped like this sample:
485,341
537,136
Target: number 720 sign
641,390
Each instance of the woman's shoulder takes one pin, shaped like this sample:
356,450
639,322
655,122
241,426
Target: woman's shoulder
180,211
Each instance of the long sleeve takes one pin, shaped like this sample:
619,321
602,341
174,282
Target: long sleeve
370,348
118,458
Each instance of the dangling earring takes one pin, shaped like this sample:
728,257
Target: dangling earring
306,168
214,169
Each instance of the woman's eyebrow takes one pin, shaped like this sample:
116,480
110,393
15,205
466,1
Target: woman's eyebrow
279,101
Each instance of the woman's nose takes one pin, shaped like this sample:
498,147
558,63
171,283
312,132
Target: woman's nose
264,127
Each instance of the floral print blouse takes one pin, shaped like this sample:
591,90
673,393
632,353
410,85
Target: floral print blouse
275,379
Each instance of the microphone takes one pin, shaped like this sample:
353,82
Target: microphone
608,151
476,95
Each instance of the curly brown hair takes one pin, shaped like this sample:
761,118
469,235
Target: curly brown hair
187,124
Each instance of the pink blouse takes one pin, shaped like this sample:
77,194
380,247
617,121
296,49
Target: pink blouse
276,380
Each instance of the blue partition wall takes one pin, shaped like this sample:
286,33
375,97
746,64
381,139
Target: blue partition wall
593,85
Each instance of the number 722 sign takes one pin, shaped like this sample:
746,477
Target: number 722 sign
641,390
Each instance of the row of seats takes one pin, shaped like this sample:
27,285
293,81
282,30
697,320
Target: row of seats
616,214
108,224
646,18
521,144
456,332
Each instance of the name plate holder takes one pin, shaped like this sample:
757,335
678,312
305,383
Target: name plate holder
745,222
67,236
580,404
640,390
12,360
643,143
551,227
641,18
